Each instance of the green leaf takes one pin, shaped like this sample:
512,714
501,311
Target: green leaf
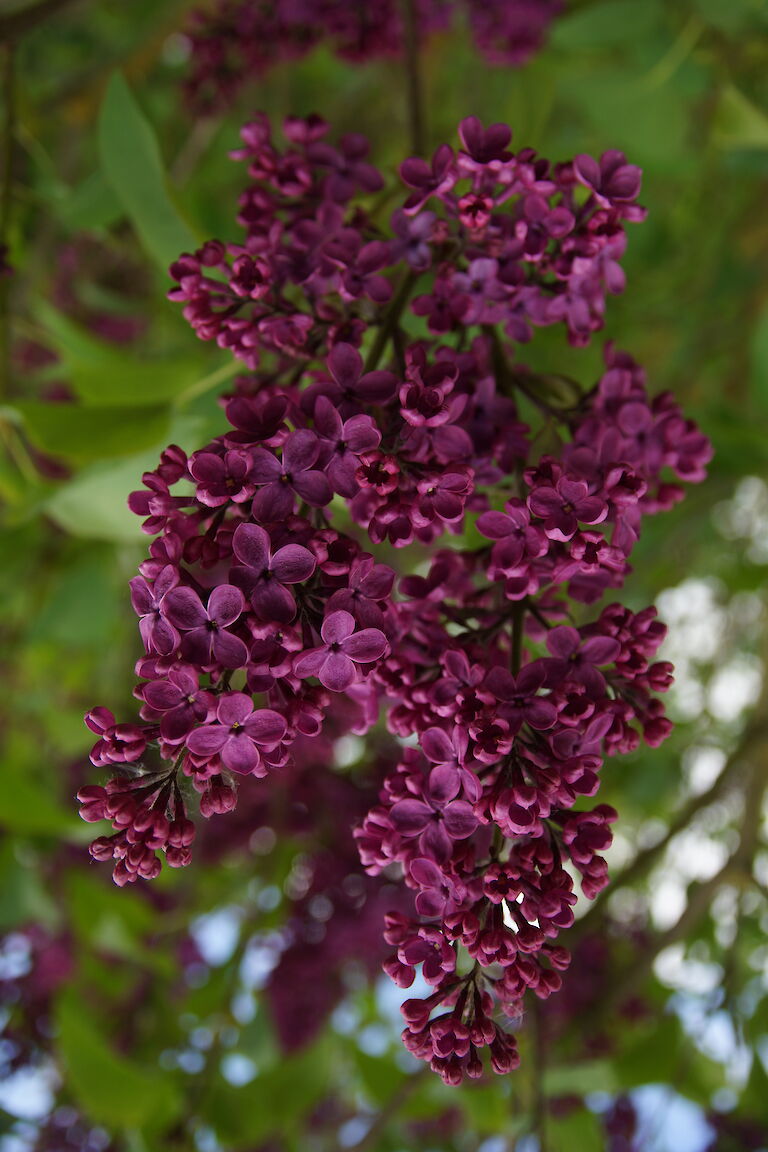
580,1078
111,1089
27,806
277,1101
91,205
738,123
132,165
77,434
599,25
22,897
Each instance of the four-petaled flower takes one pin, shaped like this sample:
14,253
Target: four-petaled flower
206,640
263,575
335,662
240,736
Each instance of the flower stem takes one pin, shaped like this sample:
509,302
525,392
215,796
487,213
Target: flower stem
389,322
416,120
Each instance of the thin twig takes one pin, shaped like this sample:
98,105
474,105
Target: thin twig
390,1109
389,323
416,120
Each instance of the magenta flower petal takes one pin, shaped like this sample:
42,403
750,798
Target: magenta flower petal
234,708
310,663
266,728
300,451
239,754
337,626
426,873
273,603
251,545
207,741
345,364
266,468
365,646
292,564
410,816
444,783
460,820
225,604
337,672
437,746
161,695
229,650
183,608
314,487
600,649
495,525
563,641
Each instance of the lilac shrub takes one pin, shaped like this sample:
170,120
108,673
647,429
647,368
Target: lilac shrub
265,619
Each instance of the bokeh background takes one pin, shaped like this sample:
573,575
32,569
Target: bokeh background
237,1005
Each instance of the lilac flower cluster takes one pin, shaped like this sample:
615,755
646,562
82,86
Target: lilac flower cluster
237,40
265,619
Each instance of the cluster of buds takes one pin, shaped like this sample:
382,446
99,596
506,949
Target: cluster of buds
265,618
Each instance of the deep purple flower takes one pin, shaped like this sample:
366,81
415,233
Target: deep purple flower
343,441
612,181
221,479
518,695
295,473
180,701
563,506
438,818
206,640
157,633
263,575
368,584
239,736
577,659
335,662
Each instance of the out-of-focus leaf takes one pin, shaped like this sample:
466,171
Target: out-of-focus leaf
580,1079
735,16
111,1089
578,1129
278,1100
93,504
738,123
105,376
91,205
27,807
133,167
22,897
600,25
78,434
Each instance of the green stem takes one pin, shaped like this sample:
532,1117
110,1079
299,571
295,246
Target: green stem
389,323
416,120
7,87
